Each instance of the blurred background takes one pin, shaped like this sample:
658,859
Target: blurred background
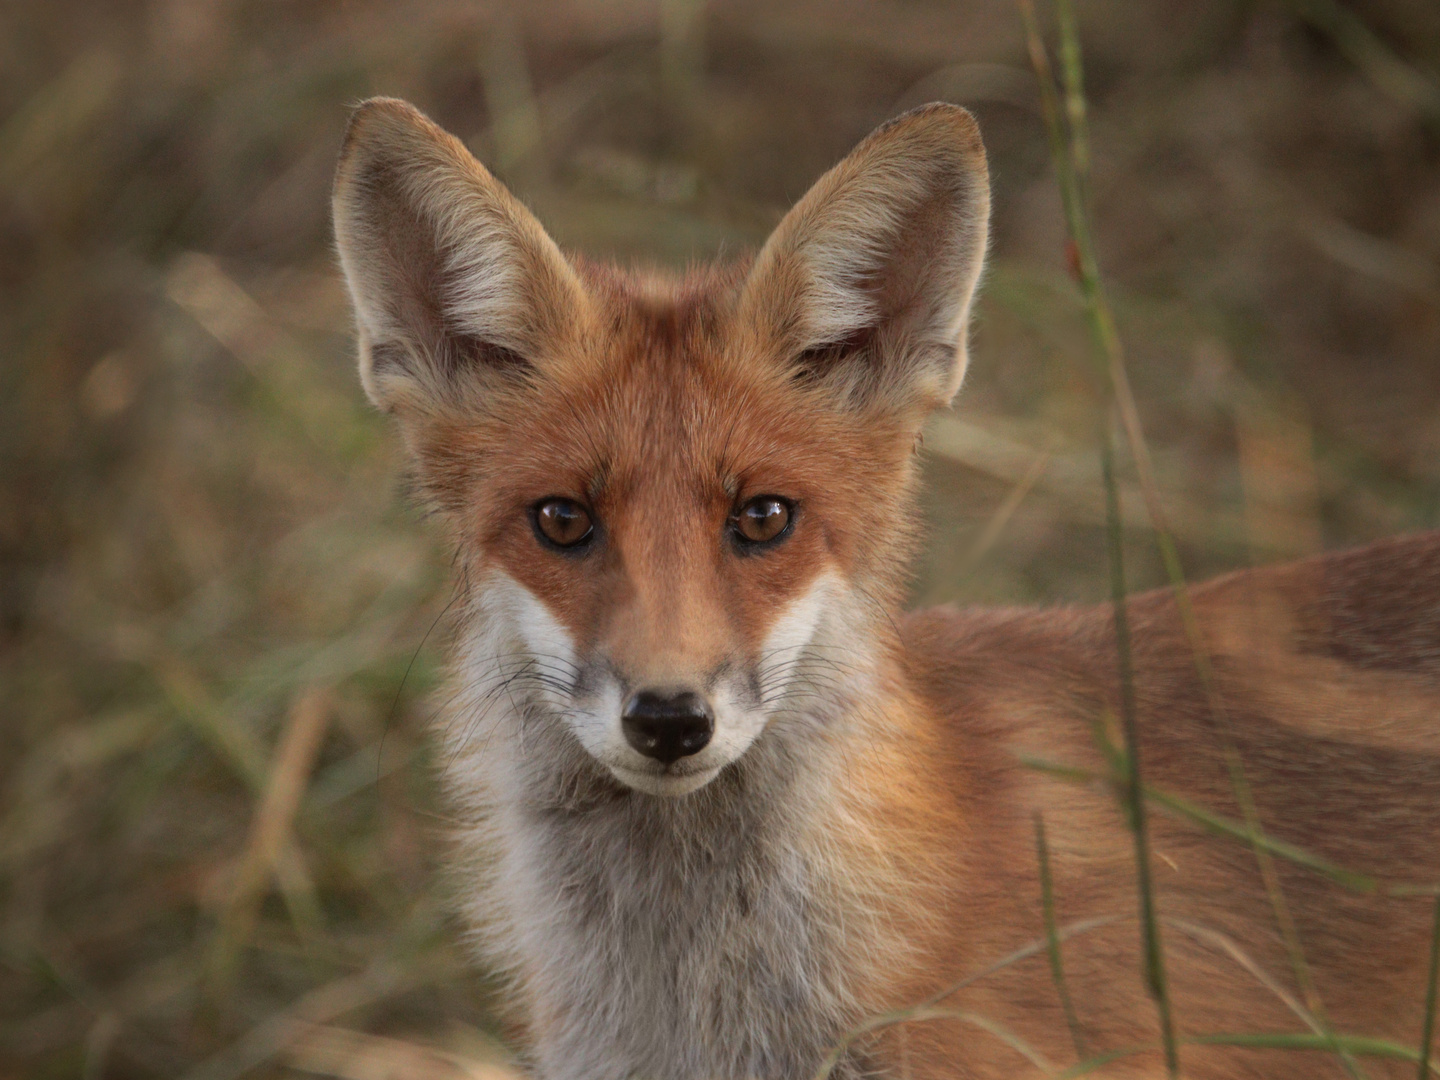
220,853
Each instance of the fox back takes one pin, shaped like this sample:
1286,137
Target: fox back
722,802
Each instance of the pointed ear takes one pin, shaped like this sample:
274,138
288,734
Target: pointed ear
453,281
865,286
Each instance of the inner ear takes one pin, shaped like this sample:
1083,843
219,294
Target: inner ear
897,294
422,286
816,362
865,287
453,281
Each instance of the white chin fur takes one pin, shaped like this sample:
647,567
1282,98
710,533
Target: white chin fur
669,784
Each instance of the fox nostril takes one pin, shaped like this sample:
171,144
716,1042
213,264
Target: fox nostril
667,725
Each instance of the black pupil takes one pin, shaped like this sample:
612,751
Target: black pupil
763,519
564,522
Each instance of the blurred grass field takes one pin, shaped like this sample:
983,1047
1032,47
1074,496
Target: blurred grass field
220,853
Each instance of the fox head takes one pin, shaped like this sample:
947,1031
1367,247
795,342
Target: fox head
683,506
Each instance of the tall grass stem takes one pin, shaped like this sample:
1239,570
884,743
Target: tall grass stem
1427,1035
1052,939
1067,154
1134,791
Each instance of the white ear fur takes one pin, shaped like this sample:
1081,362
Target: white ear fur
451,278
866,284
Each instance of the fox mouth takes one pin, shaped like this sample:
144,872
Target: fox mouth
679,778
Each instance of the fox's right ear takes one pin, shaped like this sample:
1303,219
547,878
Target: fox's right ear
453,281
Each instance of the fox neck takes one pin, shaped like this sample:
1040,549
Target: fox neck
726,933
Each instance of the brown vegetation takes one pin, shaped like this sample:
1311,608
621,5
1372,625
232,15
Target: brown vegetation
216,826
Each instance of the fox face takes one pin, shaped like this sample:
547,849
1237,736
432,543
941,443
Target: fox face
662,555
682,506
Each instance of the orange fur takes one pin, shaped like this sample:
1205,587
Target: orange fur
861,834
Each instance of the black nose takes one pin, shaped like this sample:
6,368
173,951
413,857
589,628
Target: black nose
667,725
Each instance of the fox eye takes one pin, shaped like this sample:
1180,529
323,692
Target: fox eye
563,523
761,520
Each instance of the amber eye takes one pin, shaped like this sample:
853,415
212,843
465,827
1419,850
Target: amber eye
563,522
762,519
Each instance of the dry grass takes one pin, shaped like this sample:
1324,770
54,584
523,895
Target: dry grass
217,833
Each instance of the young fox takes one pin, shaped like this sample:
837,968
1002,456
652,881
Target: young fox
724,803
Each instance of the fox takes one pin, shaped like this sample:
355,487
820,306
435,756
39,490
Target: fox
725,810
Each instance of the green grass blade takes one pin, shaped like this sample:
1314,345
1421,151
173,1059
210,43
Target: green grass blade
1221,826
1072,69
922,1013
1134,792
1427,1036
1358,1045
1290,852
1052,938
926,1009
1069,166
1365,49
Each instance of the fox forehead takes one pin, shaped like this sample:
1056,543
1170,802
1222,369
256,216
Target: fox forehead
668,396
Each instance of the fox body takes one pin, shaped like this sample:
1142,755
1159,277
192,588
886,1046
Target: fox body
723,802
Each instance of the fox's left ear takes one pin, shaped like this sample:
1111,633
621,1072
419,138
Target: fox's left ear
866,284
